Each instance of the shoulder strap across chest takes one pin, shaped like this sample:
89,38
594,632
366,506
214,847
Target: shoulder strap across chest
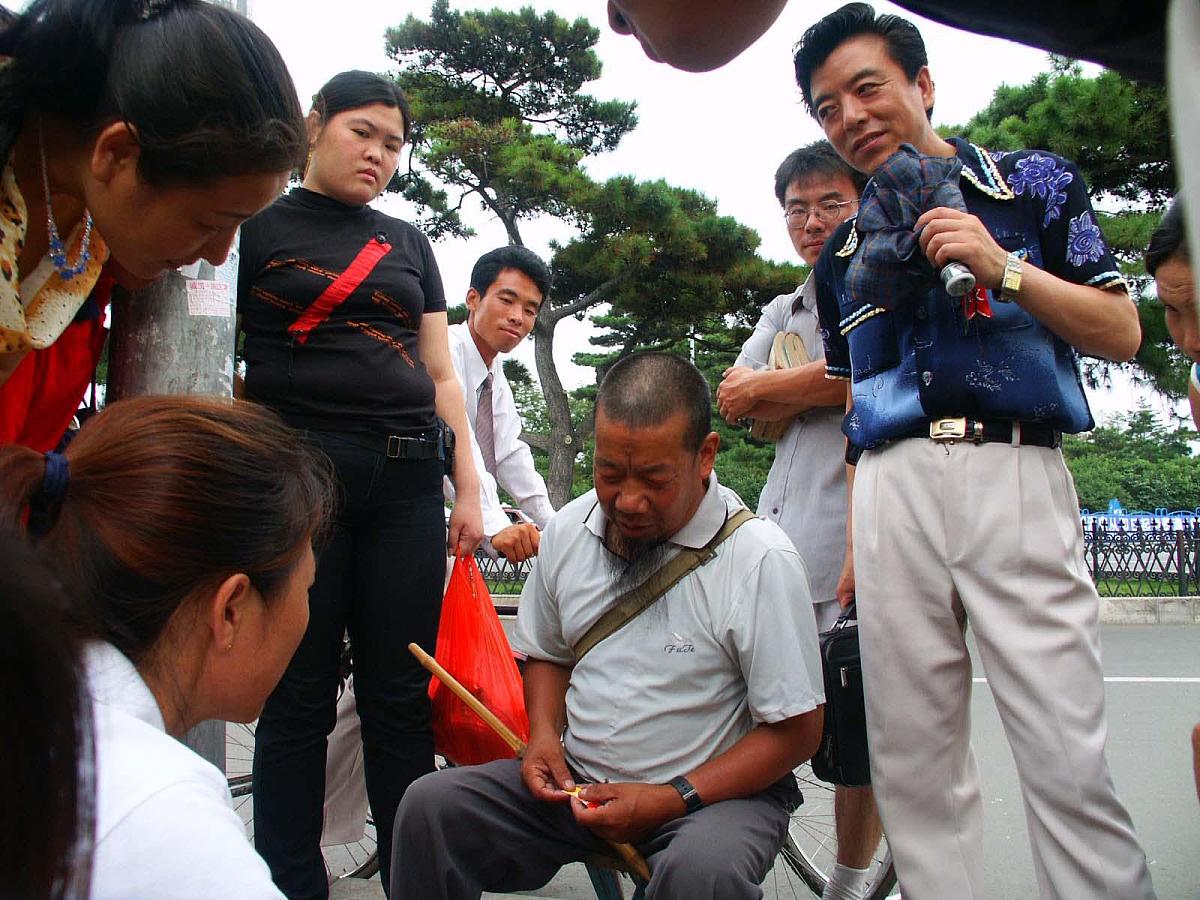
633,602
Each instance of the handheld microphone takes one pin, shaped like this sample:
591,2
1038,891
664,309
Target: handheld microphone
957,279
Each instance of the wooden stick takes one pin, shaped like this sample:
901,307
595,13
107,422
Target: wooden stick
629,854
475,705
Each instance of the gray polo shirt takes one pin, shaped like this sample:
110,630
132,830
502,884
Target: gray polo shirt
805,493
733,644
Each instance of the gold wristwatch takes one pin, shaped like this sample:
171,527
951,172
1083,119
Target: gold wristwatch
1011,283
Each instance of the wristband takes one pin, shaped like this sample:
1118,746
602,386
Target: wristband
1194,378
691,799
1011,283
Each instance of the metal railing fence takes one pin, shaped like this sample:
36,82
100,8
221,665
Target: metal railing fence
1127,556
1143,556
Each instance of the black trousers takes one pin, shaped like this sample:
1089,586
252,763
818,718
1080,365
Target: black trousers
379,576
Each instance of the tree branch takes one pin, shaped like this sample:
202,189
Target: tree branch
540,441
599,295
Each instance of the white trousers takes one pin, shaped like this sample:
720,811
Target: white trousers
990,534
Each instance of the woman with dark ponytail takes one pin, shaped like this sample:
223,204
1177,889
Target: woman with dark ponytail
183,529
46,762
346,336
135,136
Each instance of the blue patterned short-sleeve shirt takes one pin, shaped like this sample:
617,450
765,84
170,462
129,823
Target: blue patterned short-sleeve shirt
923,360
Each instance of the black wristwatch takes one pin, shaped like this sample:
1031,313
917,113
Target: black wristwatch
691,799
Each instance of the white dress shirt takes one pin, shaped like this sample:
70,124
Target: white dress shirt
805,493
165,824
514,463
731,645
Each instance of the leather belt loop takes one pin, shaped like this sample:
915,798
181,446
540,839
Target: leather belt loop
1016,434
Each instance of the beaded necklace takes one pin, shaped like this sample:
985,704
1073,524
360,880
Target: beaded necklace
57,251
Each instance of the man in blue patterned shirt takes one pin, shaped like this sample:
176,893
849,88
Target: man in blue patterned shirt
962,507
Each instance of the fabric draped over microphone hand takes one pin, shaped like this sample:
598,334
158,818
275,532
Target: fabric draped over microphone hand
889,265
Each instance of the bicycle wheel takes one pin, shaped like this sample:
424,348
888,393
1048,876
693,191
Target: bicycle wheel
810,849
359,859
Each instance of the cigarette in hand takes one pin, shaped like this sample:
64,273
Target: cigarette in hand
574,792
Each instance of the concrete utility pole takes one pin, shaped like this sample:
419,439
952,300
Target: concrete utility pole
177,336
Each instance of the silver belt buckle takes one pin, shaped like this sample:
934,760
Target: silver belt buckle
393,446
951,429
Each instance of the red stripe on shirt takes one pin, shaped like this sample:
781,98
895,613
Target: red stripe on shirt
341,288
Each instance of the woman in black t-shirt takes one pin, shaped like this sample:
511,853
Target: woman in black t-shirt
345,324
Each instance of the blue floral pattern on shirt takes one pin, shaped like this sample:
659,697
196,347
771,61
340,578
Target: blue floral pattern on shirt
917,362
1085,244
1044,177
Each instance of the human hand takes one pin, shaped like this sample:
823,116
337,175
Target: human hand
517,543
948,234
544,770
624,811
845,584
736,393
465,533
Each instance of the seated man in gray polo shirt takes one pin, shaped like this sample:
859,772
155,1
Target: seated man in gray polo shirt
684,725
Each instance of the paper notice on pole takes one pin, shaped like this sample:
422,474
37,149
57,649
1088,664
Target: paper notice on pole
209,298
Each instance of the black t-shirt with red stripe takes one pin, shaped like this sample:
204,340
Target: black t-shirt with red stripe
331,298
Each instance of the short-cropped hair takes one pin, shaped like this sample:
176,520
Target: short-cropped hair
646,389
817,160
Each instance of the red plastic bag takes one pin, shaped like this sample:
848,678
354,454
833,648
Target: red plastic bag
472,647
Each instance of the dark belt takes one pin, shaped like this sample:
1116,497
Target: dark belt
988,431
400,447
429,445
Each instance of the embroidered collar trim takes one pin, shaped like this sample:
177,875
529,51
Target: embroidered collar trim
987,180
851,244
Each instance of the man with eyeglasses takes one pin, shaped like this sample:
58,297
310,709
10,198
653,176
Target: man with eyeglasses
805,493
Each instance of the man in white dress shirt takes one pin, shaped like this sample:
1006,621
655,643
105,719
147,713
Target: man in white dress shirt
508,285
805,493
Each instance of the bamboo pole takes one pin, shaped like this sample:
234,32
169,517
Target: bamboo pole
627,852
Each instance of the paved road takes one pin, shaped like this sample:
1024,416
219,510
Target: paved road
1149,726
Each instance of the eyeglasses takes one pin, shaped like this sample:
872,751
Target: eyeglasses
826,211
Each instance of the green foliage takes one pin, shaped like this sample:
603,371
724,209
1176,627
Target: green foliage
495,65
517,372
678,268
457,314
1158,363
500,114
1116,130
530,402
742,464
582,482
1137,460
689,281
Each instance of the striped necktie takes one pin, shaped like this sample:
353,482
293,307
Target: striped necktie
485,426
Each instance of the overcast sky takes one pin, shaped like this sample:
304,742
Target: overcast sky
722,133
